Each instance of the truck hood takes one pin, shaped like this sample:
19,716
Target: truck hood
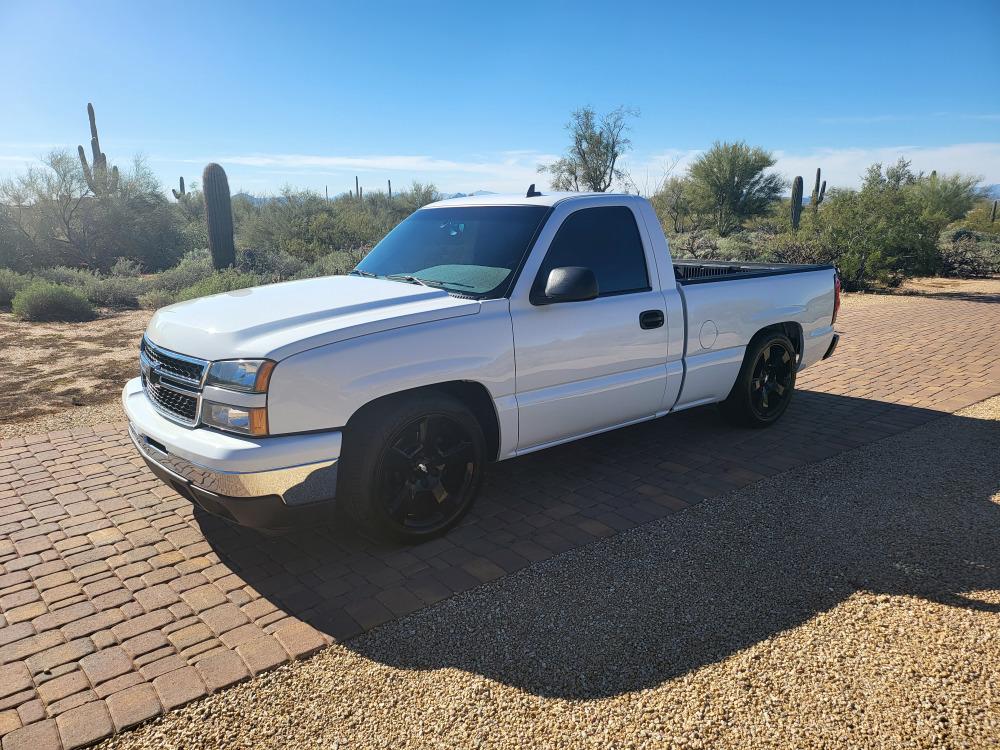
279,320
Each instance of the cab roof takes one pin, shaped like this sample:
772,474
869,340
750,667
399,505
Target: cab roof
513,199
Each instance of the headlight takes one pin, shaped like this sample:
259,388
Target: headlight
249,420
251,375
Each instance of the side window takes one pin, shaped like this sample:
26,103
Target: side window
606,240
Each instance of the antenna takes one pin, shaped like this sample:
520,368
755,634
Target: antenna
532,193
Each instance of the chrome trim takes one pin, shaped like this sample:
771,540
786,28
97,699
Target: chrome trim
172,381
204,364
241,399
295,485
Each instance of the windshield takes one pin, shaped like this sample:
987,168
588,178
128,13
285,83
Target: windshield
472,250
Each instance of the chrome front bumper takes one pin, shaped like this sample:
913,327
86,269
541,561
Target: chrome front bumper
295,485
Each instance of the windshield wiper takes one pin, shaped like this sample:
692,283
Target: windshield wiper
407,278
366,274
410,279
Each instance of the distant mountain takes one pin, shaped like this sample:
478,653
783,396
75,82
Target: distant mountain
992,191
253,200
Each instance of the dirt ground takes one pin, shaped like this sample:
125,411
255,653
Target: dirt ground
60,375
955,288
56,376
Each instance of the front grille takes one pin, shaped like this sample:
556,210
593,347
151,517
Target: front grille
172,382
186,368
181,404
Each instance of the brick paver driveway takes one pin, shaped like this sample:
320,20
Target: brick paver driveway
119,602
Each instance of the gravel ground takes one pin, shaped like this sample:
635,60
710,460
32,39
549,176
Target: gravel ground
851,603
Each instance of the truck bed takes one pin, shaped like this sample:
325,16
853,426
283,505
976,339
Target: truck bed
701,271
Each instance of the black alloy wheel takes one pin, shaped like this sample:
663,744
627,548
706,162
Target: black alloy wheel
427,472
772,380
411,466
765,384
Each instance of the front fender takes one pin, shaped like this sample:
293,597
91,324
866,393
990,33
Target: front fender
321,388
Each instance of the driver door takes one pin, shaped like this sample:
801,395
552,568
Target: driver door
585,366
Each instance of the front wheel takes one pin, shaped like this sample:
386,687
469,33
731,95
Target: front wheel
412,467
764,387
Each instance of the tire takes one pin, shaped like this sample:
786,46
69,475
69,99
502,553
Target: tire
766,382
411,466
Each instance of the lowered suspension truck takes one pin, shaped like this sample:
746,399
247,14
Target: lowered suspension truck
479,329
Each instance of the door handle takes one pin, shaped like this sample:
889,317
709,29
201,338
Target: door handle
650,319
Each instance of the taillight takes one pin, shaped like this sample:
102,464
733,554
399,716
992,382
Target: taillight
836,297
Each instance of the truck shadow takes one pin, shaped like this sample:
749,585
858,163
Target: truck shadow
909,517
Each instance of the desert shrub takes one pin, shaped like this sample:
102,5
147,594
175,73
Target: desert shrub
273,265
795,247
965,253
979,219
194,267
336,263
155,299
125,267
44,301
11,283
305,225
77,278
118,292
699,244
228,280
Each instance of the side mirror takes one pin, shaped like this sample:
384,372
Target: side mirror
569,284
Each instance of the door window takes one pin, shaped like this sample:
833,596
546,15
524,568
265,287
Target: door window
606,240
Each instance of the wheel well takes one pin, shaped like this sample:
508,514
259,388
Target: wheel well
473,395
791,329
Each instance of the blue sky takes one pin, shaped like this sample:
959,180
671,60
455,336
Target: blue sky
473,95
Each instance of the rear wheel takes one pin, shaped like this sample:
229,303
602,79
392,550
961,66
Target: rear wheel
765,384
412,466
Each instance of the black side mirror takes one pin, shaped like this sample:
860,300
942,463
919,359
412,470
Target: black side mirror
569,284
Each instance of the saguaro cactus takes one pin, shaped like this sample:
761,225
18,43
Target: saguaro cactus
818,192
100,180
218,216
796,202
179,194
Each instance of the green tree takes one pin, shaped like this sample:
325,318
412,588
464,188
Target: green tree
56,218
880,232
674,205
950,196
593,159
943,199
730,183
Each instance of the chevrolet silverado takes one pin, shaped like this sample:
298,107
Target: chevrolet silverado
479,329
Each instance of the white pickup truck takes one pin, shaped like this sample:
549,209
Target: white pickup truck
479,329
